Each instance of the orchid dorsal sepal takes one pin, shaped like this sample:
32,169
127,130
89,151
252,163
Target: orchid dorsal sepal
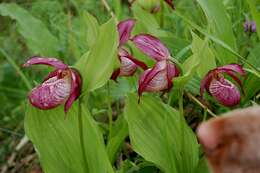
125,28
151,46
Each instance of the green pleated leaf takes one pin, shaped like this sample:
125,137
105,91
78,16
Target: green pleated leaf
147,21
221,27
195,63
202,166
92,28
57,141
207,59
96,66
160,135
38,38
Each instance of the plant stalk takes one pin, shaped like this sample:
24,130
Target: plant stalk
110,115
107,7
181,102
81,137
200,104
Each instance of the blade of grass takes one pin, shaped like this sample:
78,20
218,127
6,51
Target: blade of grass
17,68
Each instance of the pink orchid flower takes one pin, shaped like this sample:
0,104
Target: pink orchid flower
63,85
128,64
158,78
220,88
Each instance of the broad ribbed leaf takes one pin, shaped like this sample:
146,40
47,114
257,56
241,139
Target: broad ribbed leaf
221,27
38,38
207,59
147,21
96,66
191,64
92,28
57,141
160,135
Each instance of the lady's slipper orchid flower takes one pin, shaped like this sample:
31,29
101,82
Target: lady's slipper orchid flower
159,78
151,46
128,64
63,85
224,91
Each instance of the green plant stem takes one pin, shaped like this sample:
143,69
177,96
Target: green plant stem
110,116
81,137
161,13
106,5
205,114
200,104
17,68
181,102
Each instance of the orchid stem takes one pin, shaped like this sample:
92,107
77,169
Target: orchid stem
110,116
205,114
181,102
106,5
17,68
201,104
80,121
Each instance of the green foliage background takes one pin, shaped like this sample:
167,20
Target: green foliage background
118,134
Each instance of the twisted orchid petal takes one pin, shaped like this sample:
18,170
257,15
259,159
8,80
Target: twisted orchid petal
45,61
75,91
224,92
151,46
128,65
172,71
63,85
123,53
125,28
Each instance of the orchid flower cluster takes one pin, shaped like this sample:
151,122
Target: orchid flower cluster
157,78
63,85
